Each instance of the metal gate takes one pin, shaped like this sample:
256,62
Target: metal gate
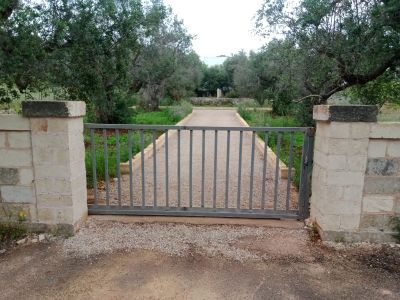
251,172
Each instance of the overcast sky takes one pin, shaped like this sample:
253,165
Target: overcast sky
222,27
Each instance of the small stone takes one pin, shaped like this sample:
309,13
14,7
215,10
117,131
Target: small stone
42,237
21,241
34,240
2,251
385,292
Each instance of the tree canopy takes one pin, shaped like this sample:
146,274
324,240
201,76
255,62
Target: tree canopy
111,52
317,49
101,51
340,43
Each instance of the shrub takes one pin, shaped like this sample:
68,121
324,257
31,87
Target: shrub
12,107
244,111
250,103
13,228
118,111
232,94
166,101
282,104
123,110
11,232
181,110
304,113
395,222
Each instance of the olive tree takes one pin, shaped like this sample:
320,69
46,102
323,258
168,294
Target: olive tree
22,49
164,48
341,43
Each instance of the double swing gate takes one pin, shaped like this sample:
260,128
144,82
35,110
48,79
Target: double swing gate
251,172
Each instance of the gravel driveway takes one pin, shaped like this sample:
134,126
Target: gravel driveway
204,117
116,260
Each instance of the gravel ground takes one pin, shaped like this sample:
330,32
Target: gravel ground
206,118
238,243
113,260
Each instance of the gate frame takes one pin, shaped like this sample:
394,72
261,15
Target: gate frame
304,185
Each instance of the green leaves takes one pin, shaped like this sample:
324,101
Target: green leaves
99,51
164,55
340,43
7,7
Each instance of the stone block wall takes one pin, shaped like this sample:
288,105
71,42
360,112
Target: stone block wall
356,175
42,169
17,188
214,101
381,197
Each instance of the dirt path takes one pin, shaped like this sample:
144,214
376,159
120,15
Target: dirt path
110,260
205,117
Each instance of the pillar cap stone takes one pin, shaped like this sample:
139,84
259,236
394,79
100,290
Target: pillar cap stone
345,113
53,109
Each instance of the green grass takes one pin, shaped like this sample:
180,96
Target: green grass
10,232
166,116
154,118
259,118
395,223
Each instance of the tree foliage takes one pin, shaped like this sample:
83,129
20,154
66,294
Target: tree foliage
386,88
95,67
101,51
320,48
21,49
341,43
214,78
164,51
186,78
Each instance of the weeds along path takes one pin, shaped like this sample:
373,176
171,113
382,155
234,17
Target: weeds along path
205,117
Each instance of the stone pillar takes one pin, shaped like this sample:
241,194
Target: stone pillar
58,157
219,93
340,161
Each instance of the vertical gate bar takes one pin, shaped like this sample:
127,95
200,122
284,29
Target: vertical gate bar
106,166
191,169
142,167
253,139
301,183
130,146
92,143
228,144
239,169
166,171
302,175
154,170
215,168
278,150
265,161
309,165
203,148
118,166
179,168
306,158
289,170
